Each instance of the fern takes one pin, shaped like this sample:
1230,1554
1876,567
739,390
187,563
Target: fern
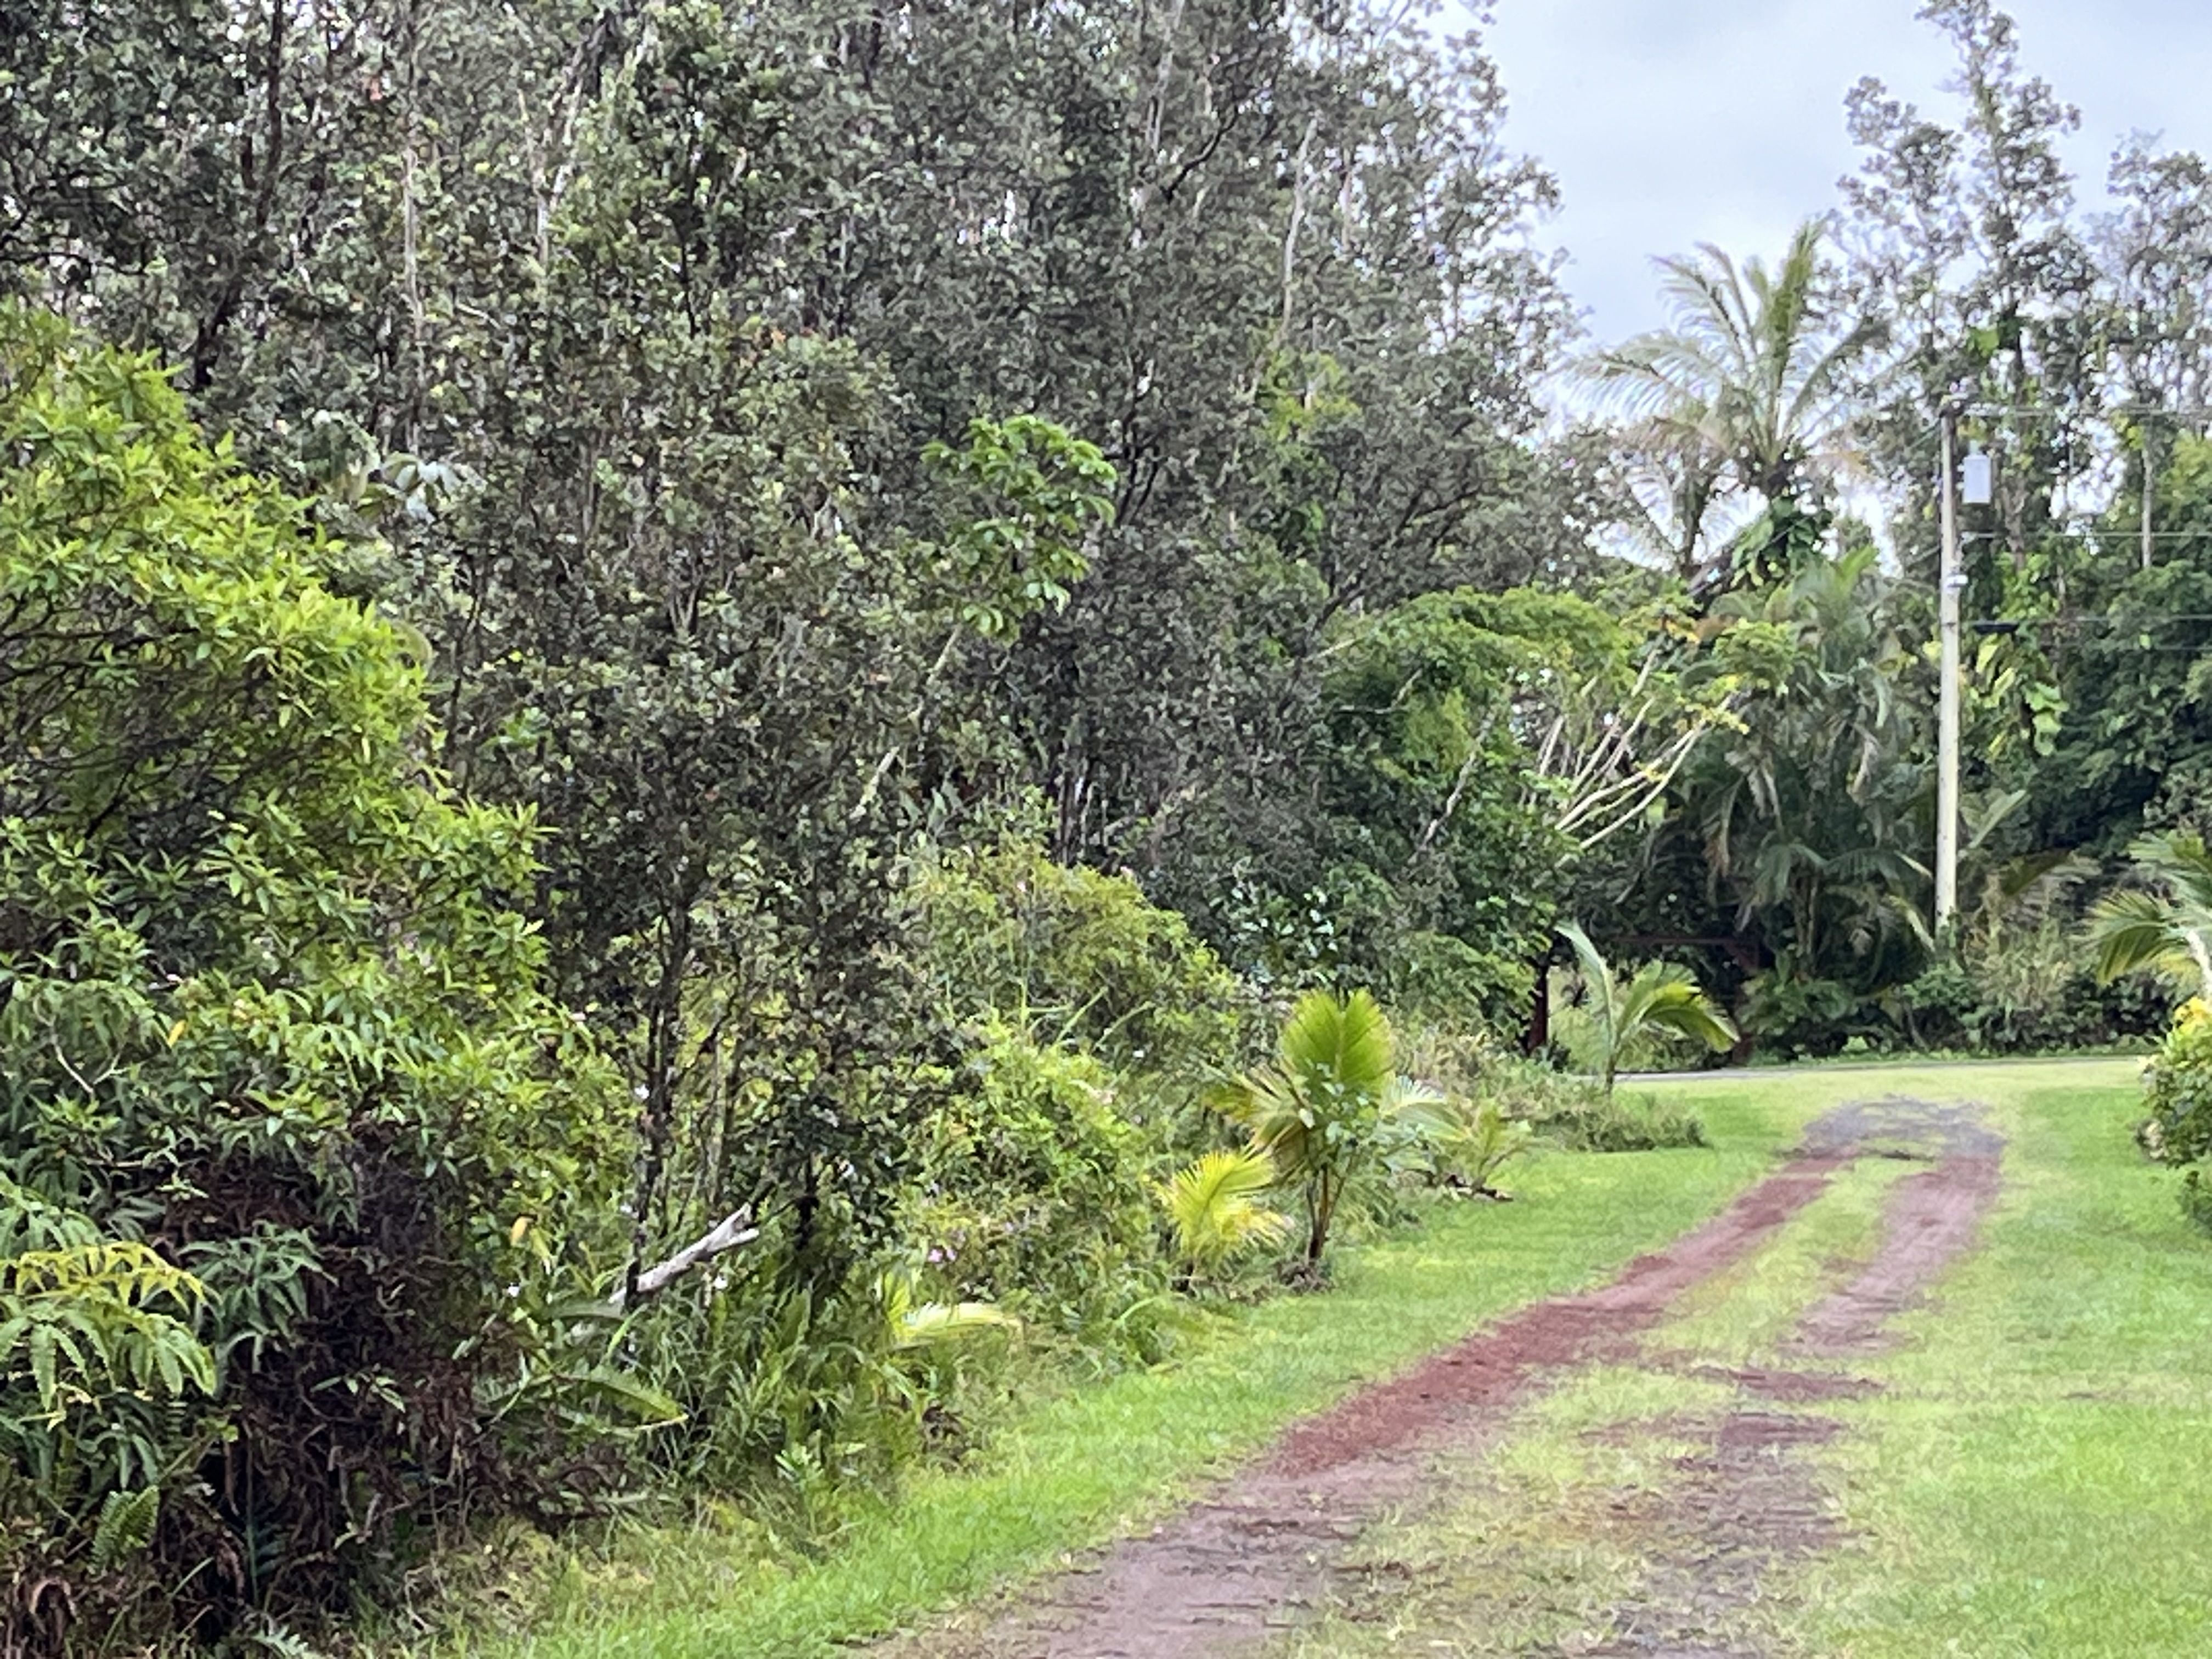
86,1318
281,1643
126,1528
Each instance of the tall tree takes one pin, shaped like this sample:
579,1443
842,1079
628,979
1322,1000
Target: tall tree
1752,390
1962,240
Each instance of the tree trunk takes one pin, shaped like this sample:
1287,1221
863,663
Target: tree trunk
1538,1037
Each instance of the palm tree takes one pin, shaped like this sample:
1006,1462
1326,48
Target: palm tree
1810,807
1752,388
2172,930
1323,1107
1662,997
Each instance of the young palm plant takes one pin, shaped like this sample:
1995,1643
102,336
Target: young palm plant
1662,997
2171,930
1326,1108
1213,1205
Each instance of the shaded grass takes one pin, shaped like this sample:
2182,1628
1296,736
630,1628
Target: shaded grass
1078,1469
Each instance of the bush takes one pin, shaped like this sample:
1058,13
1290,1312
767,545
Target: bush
1081,956
2178,1086
2004,1004
1618,1125
1034,1192
1569,1111
272,1053
1435,977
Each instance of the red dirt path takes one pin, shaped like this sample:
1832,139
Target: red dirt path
1225,1573
1221,1576
1749,1501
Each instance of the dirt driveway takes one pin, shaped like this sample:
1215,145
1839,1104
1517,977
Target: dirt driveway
1249,1562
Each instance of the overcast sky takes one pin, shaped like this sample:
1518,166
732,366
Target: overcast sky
1673,122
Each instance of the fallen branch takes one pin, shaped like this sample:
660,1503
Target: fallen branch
735,1228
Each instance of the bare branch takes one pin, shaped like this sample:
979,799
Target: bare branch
727,1234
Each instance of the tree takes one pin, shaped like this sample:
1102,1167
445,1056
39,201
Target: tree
1662,996
2155,253
270,1018
1325,1108
1752,389
662,380
1807,816
1961,238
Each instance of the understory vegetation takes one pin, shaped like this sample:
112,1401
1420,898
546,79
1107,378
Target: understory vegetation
816,723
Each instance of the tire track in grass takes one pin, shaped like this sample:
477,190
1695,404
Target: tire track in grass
1747,1502
1234,1567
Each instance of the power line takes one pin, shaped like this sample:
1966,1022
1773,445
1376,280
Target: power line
2097,618
2204,535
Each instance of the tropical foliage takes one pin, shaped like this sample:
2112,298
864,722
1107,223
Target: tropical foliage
1660,996
1213,1205
659,736
1330,1109
298,1153
2172,929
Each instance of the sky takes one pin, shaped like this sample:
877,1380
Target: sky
1670,123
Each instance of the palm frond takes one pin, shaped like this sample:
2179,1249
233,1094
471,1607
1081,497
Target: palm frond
2130,931
1264,1103
1589,961
939,1324
1345,1044
1213,1206
1664,997
909,1325
2181,860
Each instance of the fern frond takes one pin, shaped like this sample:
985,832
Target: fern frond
126,1528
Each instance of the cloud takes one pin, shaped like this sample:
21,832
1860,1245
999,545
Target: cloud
1675,122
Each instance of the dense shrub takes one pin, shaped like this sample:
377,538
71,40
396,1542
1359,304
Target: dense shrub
2178,1087
273,1061
1620,1124
1435,977
1034,1192
2179,1082
1081,956
2014,1002
1984,1009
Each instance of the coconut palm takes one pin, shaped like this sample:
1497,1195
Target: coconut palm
2171,930
1661,997
1325,1108
1753,388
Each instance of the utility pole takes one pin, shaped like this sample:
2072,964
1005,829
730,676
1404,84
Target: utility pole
1947,761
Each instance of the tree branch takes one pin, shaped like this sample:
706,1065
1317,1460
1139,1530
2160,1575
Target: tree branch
735,1228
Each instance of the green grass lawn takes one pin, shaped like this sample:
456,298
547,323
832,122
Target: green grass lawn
1073,1470
2030,1479
2035,1479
